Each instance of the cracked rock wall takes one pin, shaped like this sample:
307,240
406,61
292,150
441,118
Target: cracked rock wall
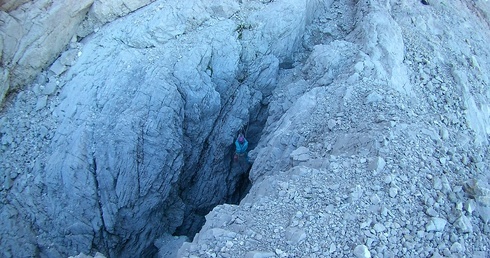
133,139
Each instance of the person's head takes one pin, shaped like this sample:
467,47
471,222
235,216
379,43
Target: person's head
241,139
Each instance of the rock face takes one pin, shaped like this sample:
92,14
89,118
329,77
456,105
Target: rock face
34,33
137,126
368,121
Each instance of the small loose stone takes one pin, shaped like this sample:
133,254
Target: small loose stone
362,251
379,227
456,248
377,164
431,212
463,223
437,184
258,254
387,179
384,211
436,224
229,244
41,102
470,206
393,192
295,235
375,199
444,133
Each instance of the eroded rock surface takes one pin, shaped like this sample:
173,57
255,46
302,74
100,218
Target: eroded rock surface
33,33
369,124
135,128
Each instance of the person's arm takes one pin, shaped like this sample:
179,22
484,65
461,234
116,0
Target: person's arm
245,145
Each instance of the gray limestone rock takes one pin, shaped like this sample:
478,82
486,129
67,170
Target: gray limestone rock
484,213
47,26
377,164
479,190
58,68
431,212
50,27
361,251
456,248
295,236
444,133
470,206
436,224
393,192
41,102
9,5
106,11
300,154
127,121
259,254
378,227
82,255
49,88
373,97
463,223
437,183
68,58
132,141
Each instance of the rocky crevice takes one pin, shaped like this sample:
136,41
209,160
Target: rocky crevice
256,117
99,237
234,175
138,136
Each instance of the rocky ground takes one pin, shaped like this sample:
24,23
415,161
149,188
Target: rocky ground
375,118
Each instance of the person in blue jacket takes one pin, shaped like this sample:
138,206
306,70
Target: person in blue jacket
241,145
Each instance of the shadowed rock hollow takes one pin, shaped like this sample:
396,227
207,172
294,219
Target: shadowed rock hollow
368,121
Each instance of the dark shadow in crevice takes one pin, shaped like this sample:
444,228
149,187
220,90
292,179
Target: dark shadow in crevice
242,187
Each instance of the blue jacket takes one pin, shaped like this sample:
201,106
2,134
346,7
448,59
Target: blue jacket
241,148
